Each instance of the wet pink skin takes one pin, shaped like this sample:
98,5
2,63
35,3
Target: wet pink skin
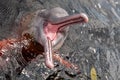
52,28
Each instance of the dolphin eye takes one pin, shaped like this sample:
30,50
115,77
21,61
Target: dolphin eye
45,23
41,14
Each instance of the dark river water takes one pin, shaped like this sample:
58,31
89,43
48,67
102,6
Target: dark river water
92,45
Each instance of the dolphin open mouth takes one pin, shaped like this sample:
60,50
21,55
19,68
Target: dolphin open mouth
53,27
